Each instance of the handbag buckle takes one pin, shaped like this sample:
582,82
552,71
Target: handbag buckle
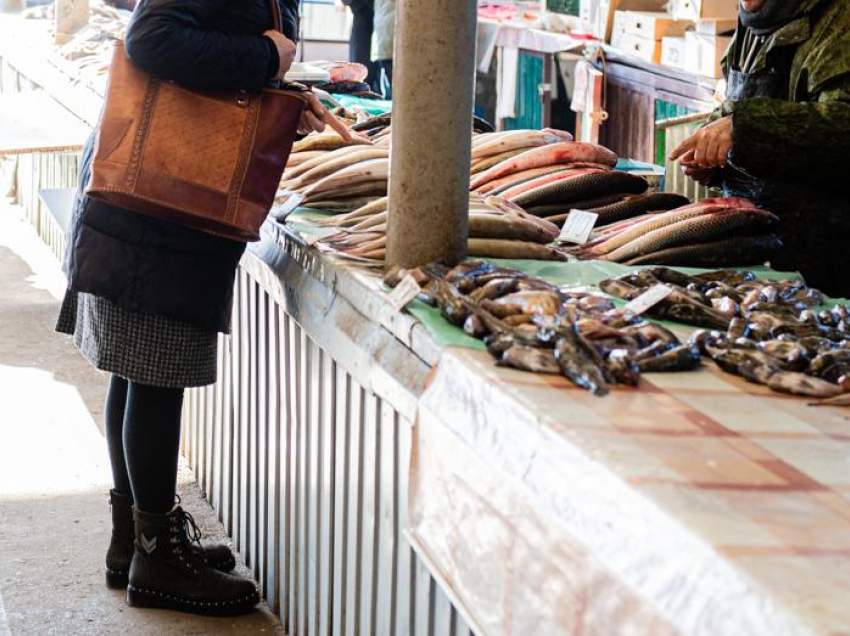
242,99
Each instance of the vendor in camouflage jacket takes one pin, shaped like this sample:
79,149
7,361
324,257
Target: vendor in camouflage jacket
782,136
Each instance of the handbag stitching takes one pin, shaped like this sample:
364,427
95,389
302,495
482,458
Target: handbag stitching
140,141
239,174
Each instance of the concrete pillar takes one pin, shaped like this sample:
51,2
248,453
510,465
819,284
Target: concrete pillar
71,16
433,76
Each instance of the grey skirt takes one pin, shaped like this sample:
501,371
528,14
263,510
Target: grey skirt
147,349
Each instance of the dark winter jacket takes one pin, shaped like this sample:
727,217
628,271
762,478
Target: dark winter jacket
790,142
141,263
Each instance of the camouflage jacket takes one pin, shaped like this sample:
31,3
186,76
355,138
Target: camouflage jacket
809,133
789,154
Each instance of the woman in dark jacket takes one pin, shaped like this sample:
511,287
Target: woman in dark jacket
147,299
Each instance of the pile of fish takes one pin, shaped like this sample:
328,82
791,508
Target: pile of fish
717,232
778,333
497,229
530,324
89,53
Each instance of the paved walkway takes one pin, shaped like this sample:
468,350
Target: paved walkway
54,471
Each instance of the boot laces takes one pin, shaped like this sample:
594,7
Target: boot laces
185,536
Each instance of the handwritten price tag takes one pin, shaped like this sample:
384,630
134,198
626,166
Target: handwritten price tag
578,227
404,293
295,199
648,299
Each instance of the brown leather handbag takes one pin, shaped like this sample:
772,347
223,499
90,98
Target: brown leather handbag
210,160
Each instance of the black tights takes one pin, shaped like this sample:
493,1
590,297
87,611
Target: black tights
143,436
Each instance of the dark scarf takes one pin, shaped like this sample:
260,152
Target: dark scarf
772,16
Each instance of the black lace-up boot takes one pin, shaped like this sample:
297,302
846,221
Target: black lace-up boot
168,572
120,550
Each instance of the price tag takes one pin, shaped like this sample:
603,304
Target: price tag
578,227
317,234
404,293
648,299
295,199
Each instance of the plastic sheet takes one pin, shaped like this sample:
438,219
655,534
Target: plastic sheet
698,505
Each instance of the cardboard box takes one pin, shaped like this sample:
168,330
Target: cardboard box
673,52
600,13
651,25
716,26
643,48
699,9
704,53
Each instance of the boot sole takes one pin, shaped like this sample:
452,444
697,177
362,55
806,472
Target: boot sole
141,597
117,579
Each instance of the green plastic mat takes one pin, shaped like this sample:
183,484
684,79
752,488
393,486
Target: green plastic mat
371,106
579,274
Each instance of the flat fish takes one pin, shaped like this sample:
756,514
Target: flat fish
635,228
702,228
563,152
504,226
532,359
339,205
374,170
326,141
636,205
321,157
517,190
519,139
297,158
498,248
376,206
486,163
801,384
733,251
557,212
374,188
584,186
336,164
524,302
498,186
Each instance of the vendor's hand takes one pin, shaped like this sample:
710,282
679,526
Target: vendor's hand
708,147
313,117
703,176
285,50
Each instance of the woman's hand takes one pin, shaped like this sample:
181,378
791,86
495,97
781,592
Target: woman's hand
313,117
708,147
285,50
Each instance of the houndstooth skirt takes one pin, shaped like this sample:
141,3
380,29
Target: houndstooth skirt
147,349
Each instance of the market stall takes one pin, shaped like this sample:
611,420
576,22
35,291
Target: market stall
382,474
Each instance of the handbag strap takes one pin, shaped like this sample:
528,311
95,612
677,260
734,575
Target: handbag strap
278,19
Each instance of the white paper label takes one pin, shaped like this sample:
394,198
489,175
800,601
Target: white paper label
318,234
404,293
578,227
295,199
648,299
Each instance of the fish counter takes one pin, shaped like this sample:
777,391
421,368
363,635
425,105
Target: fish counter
696,503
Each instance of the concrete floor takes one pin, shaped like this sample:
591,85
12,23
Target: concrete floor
54,471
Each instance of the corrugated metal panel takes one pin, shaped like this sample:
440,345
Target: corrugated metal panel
308,471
